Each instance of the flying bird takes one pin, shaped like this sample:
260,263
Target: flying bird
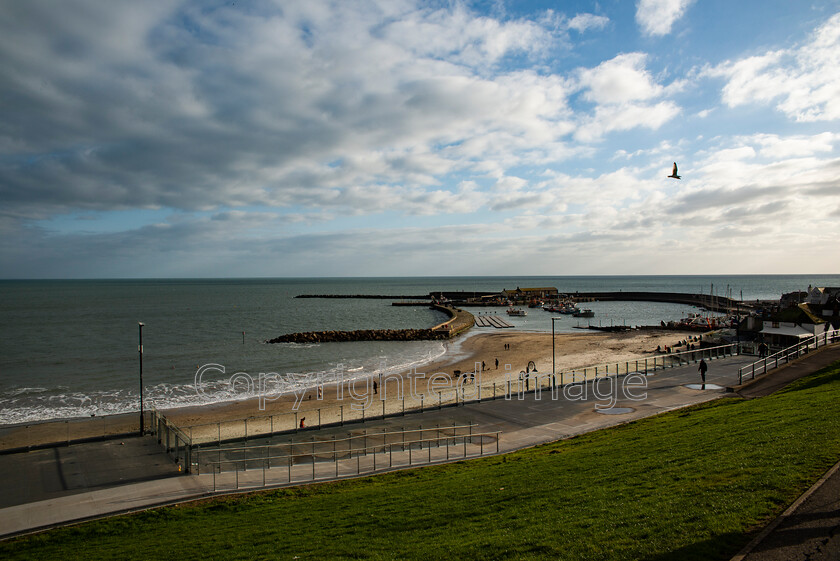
674,172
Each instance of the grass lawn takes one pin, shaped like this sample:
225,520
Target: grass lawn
683,485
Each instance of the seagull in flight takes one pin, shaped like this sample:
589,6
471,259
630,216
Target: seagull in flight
674,172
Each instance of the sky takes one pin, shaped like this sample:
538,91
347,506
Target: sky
175,138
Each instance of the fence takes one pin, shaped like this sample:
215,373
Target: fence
28,436
292,462
786,355
463,393
23,437
177,444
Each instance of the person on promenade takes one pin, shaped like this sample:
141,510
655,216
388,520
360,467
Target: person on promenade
702,368
302,419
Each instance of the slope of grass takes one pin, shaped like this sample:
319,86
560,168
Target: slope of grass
683,485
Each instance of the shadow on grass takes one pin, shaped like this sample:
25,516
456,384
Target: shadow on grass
721,547
830,373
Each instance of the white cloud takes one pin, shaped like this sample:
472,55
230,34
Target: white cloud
806,78
582,22
461,36
623,91
621,79
625,117
774,147
657,17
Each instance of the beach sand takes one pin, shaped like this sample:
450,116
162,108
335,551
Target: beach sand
573,350
357,400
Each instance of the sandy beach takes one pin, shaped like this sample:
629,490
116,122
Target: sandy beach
358,399
573,350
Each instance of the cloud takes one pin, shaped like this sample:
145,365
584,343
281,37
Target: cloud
207,107
623,92
657,17
583,22
806,77
620,79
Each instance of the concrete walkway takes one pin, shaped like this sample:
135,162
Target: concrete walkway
523,422
809,530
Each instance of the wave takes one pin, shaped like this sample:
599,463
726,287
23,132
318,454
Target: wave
31,404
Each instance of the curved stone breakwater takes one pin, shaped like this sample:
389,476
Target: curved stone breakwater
460,321
360,335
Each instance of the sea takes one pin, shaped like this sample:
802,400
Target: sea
70,348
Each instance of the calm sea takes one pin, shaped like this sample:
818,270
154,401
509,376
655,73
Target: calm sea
69,348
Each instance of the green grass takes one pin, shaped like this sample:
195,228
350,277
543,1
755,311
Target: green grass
691,484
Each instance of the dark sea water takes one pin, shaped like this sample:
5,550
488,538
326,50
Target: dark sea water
70,348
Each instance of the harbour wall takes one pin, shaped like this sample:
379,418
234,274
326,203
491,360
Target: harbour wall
707,301
458,322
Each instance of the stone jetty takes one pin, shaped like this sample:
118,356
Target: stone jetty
458,322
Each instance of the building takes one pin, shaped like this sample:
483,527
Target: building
792,299
822,296
783,334
528,294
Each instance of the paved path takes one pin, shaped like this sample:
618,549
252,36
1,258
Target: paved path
523,423
810,529
68,470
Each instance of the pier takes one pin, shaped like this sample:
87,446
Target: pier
707,301
458,322
491,321
475,299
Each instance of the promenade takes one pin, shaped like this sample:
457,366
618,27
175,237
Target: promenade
524,422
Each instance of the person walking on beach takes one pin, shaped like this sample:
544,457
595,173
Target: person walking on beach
375,387
497,364
702,368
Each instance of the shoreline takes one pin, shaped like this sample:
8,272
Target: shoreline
516,349
573,350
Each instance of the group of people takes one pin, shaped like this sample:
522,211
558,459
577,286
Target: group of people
687,343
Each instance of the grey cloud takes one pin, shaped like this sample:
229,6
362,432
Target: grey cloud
196,108
718,198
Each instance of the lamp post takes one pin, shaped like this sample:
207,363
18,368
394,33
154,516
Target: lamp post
140,325
553,361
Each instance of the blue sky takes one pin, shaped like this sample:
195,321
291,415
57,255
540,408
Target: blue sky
367,138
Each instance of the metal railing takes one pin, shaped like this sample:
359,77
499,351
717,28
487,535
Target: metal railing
648,365
177,439
379,407
176,443
315,460
23,437
784,356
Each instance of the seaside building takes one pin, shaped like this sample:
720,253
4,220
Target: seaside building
792,299
781,334
822,297
527,294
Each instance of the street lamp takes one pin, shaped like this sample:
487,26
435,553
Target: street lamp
140,325
553,362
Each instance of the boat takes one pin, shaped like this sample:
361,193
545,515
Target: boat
586,313
569,310
516,312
